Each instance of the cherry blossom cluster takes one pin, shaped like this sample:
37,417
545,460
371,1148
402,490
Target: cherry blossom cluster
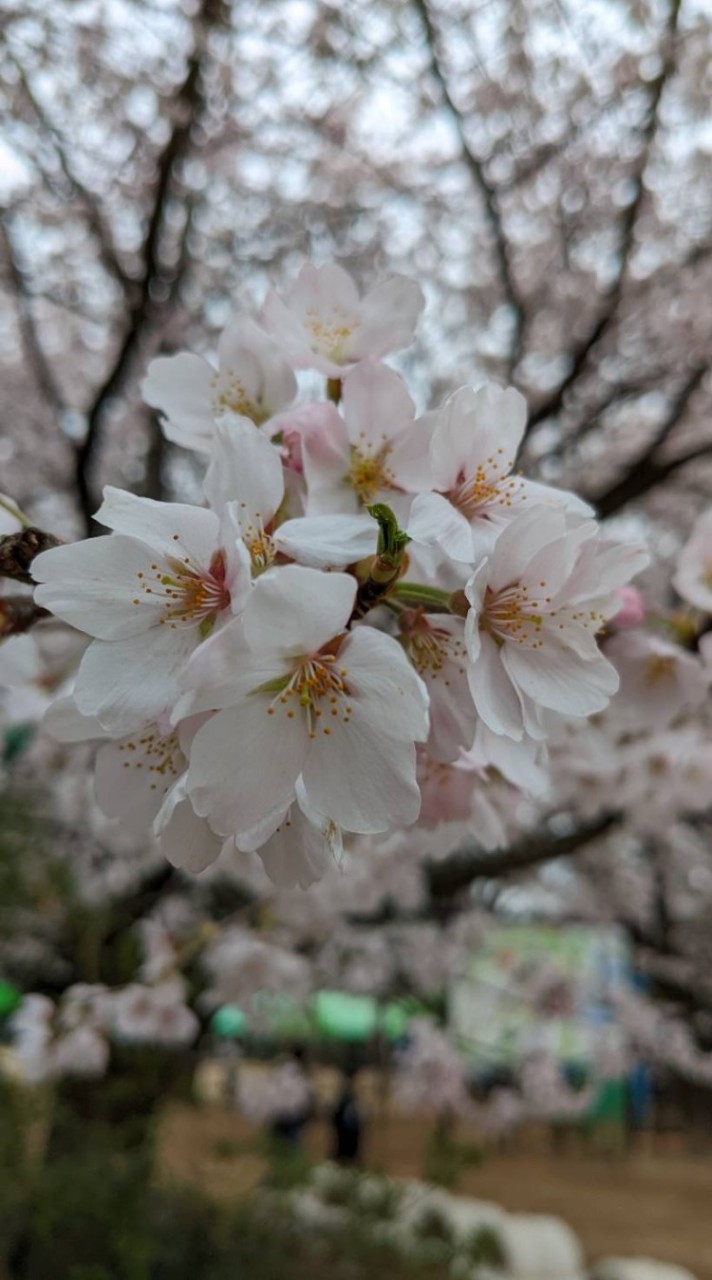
371,609
74,1036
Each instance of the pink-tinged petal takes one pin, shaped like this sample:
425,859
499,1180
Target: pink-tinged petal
409,459
382,683
388,316
324,289
294,610
477,431
363,780
129,683
92,585
433,521
548,574
285,327
181,387
521,540
244,763
171,528
245,469
327,542
494,694
185,839
326,458
375,404
453,719
252,363
558,679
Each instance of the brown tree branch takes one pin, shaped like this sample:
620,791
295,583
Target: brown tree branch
465,865
579,355
34,351
19,614
489,194
647,470
143,313
18,550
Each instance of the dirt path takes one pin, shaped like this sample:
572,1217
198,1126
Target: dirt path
657,1204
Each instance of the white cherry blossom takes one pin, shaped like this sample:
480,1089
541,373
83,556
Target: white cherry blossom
659,680
323,323
253,381
147,594
375,452
246,475
475,441
537,603
302,696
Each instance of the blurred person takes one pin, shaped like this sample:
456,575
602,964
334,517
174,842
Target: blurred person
347,1120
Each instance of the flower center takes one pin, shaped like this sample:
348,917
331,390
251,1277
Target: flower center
189,593
329,336
231,394
160,758
491,485
511,614
317,689
369,473
658,668
431,649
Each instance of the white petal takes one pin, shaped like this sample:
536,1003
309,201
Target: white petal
327,458
185,839
247,353
223,670
375,404
434,521
493,693
390,695
558,679
388,314
332,541
409,459
171,528
244,763
363,780
64,722
301,850
521,540
246,469
133,777
129,683
293,610
182,388
92,585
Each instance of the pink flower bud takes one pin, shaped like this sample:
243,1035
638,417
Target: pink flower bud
632,610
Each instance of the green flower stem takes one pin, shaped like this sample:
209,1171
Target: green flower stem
417,595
